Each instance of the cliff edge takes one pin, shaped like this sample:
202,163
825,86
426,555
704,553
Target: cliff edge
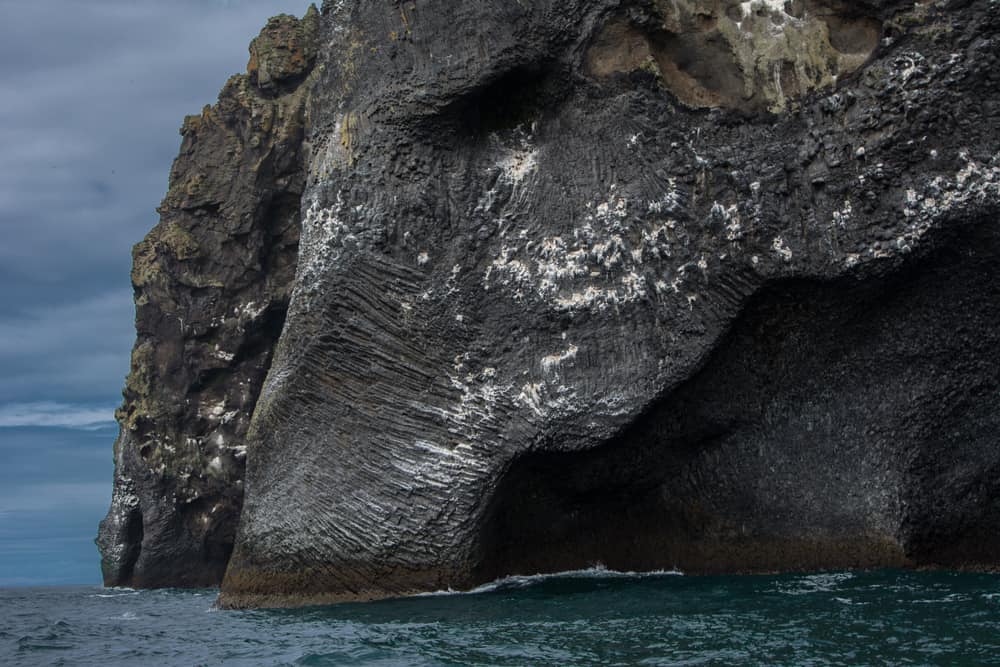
660,283
212,282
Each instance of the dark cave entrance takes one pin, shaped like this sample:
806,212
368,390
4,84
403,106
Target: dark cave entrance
558,512
846,424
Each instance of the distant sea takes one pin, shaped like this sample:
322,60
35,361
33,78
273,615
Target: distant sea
55,486
592,617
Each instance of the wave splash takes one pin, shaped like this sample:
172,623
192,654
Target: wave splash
516,581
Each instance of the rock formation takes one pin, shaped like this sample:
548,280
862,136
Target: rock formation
212,283
657,283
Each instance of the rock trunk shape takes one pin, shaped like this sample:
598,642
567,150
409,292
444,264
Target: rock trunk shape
668,283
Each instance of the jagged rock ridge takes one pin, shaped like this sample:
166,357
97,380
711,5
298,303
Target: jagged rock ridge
667,283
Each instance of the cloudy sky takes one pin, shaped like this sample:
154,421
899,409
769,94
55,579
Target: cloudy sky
92,94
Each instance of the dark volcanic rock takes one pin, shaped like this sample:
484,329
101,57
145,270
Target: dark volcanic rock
676,283
212,283
657,283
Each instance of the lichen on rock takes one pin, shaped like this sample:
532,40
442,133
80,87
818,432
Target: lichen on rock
755,55
284,51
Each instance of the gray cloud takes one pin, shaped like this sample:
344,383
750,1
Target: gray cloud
93,95
64,351
50,413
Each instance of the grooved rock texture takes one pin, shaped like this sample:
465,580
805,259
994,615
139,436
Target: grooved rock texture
657,283
212,282
679,283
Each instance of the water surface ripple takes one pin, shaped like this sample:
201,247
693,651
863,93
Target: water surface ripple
581,618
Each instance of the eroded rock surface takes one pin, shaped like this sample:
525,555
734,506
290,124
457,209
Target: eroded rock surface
212,282
659,283
762,54
681,283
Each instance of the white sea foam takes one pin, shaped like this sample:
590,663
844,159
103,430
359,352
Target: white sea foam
115,592
525,580
953,597
850,602
821,582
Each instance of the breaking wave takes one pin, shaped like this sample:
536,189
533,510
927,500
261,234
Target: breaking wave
514,581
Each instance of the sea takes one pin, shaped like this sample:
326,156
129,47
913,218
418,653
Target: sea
590,617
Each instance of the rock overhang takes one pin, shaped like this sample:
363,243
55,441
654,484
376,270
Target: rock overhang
577,216
528,224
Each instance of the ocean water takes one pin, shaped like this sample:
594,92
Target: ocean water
592,617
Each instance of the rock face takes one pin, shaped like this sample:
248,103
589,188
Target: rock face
212,283
656,283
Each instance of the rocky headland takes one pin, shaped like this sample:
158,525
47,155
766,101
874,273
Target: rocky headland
447,291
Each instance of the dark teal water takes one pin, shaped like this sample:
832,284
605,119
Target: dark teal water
586,618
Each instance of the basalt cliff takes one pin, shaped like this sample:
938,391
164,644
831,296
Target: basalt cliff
447,291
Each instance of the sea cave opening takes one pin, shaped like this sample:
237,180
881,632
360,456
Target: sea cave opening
838,424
